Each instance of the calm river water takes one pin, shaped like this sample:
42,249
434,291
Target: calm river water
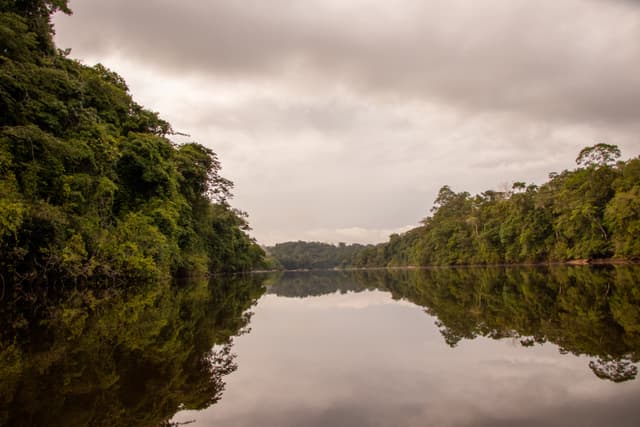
442,347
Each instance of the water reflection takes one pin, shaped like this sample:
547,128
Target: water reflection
301,284
445,347
442,347
119,358
593,311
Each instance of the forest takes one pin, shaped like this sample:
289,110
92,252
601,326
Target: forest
311,255
587,214
92,189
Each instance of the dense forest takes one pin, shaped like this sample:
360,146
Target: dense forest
91,187
589,213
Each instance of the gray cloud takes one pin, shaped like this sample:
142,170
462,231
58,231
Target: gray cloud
345,117
573,60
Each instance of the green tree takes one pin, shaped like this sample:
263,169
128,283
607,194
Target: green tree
92,190
592,212
598,155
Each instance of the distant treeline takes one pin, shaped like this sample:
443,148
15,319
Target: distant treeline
91,188
589,213
312,255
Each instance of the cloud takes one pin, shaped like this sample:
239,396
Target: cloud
338,300
349,115
571,60
350,234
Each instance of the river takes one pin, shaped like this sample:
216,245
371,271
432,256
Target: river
553,346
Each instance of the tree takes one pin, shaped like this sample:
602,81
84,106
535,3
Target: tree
598,155
38,16
92,191
592,212
445,195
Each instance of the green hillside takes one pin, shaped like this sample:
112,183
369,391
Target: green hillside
92,190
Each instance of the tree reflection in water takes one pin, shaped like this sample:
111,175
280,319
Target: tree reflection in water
120,358
592,311
136,357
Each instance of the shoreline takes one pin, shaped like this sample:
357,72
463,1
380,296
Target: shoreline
576,262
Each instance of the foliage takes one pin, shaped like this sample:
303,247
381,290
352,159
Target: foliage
598,155
115,358
91,188
590,213
296,284
312,255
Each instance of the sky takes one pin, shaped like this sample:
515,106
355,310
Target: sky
339,120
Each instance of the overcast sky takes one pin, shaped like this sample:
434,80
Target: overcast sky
339,120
